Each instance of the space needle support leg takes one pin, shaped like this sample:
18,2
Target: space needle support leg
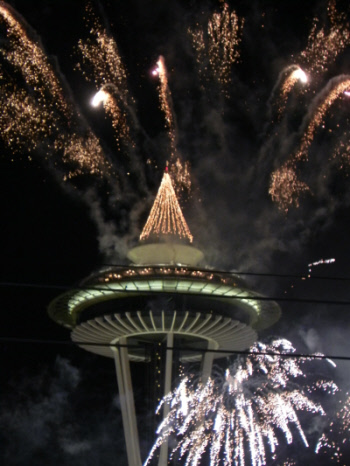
207,363
163,454
127,404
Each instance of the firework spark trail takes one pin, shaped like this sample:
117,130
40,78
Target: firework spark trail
303,278
102,64
324,46
166,217
37,115
287,79
26,54
22,122
84,152
224,30
332,442
100,53
166,104
220,44
243,410
323,102
179,171
115,107
285,188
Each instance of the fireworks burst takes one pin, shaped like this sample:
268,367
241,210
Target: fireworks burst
218,46
287,194
24,53
254,400
285,188
37,116
325,44
101,56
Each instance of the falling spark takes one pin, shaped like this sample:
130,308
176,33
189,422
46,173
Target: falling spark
285,188
327,99
242,410
101,55
224,33
36,117
81,151
181,176
24,125
166,217
324,46
333,441
26,54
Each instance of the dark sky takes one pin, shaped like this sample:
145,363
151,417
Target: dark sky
55,233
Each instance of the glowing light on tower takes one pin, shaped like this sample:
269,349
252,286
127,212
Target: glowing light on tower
166,217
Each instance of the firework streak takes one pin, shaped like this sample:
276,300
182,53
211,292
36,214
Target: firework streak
241,411
37,116
220,45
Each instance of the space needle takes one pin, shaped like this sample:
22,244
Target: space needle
166,296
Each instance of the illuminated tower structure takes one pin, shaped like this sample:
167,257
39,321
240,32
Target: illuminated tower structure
162,297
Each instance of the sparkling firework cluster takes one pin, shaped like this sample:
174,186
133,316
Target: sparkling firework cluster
217,44
178,170
324,46
100,55
336,437
35,115
237,417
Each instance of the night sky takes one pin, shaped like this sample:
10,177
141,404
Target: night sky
60,405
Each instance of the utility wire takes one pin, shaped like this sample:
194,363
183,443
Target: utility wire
174,348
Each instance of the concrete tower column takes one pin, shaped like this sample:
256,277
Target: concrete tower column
127,404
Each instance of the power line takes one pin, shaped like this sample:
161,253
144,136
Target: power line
320,356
